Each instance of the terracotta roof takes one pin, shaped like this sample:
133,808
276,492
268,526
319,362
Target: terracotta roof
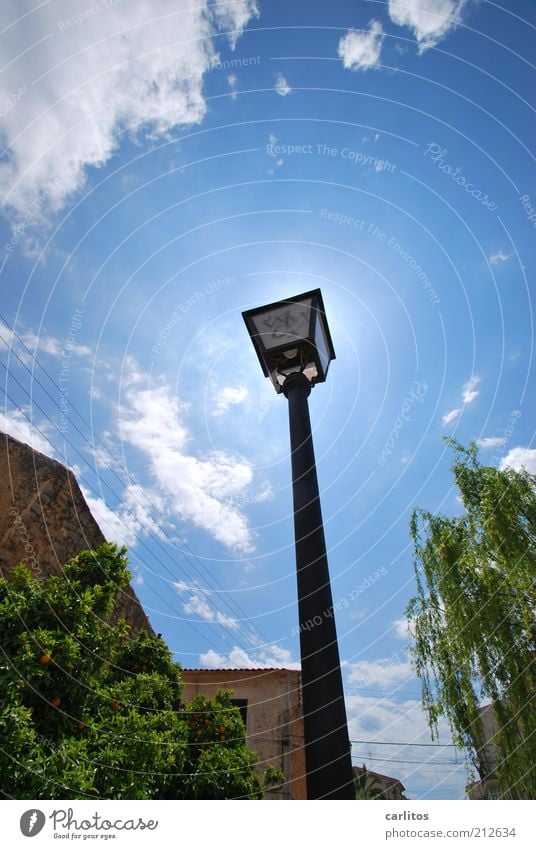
239,669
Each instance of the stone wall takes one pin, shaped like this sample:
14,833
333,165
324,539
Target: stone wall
44,520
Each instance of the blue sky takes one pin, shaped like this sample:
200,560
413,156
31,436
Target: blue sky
165,167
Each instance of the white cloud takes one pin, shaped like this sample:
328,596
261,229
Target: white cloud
490,442
142,505
233,17
197,605
38,345
116,526
268,657
421,770
469,393
499,257
402,628
228,397
232,80
281,86
430,20
194,488
272,140
361,50
132,518
81,77
519,457
15,423
386,672
450,417
469,390
46,344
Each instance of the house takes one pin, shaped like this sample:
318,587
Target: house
487,787
271,706
377,785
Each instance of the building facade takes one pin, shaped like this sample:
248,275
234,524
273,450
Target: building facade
377,785
271,706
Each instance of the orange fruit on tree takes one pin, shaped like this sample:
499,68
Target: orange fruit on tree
207,722
45,659
222,737
115,705
56,702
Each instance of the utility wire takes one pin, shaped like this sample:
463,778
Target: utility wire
230,602
44,435
384,743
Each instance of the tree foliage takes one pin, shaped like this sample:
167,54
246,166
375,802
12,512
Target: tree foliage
87,711
472,618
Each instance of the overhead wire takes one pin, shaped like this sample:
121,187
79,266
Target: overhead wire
90,486
231,603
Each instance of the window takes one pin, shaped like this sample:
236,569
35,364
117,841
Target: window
242,705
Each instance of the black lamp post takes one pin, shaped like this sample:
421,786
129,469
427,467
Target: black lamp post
294,346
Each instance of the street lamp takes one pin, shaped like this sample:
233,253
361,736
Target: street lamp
294,346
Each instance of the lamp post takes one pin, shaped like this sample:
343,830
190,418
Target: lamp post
294,346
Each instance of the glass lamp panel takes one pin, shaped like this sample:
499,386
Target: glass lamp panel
287,323
321,344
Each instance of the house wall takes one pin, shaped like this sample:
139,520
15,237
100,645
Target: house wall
274,717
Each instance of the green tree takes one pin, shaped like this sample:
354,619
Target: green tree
88,711
472,618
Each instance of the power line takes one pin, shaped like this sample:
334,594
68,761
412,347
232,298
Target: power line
390,743
230,602
188,621
406,761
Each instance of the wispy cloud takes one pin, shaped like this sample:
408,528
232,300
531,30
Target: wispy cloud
40,344
488,442
360,50
278,160
470,392
133,517
281,86
499,258
15,423
430,20
197,604
402,628
385,672
195,488
228,397
451,416
267,657
232,80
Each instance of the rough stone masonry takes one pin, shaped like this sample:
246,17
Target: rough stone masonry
44,521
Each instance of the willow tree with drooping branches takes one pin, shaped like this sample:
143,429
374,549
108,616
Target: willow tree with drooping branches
472,619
